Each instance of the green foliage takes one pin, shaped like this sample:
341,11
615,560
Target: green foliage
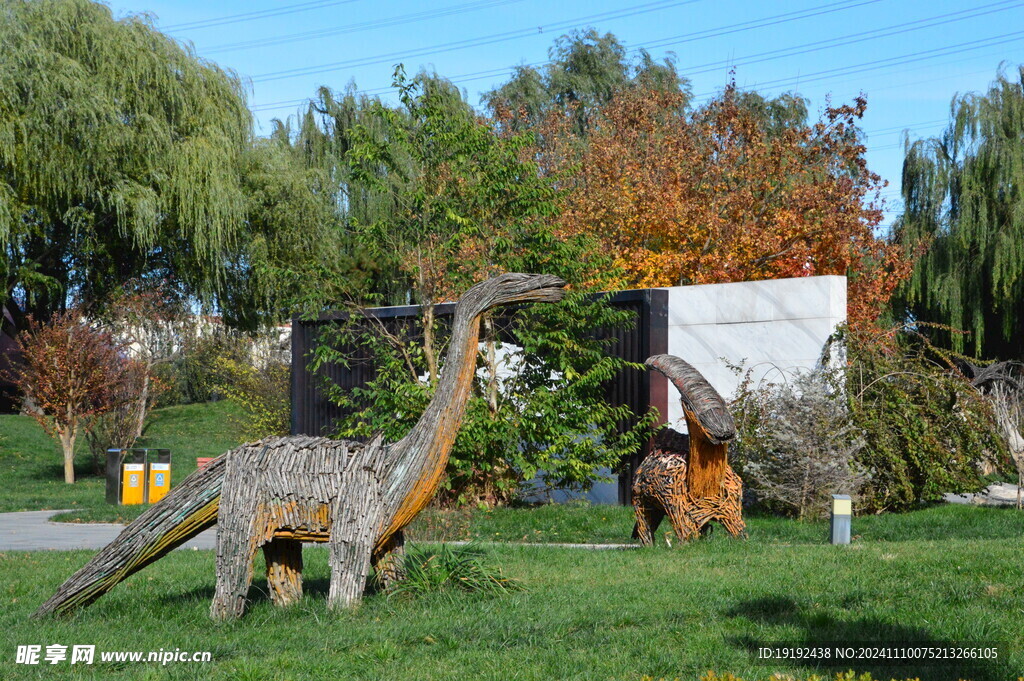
926,428
295,256
116,142
964,203
192,376
244,369
543,408
585,71
450,570
468,204
124,155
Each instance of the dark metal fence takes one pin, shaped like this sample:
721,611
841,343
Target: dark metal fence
314,414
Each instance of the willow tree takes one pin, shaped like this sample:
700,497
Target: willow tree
964,198
119,155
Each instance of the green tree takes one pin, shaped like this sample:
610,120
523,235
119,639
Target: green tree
964,202
119,155
586,70
294,254
469,203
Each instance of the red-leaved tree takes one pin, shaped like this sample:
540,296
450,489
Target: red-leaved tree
70,375
717,195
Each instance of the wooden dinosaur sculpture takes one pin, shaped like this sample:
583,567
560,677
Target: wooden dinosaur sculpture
279,492
687,477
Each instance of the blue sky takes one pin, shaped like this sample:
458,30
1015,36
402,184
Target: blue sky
908,56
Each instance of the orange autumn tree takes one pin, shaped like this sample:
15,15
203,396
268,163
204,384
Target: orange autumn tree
726,193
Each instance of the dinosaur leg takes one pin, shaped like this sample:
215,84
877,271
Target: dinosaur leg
236,547
648,517
357,520
731,515
351,549
284,570
387,561
732,518
682,524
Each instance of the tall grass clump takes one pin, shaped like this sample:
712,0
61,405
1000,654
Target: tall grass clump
448,569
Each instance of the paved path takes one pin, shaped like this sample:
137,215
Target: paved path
33,531
998,494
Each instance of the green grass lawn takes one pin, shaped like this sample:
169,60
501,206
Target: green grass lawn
618,614
31,467
942,573
579,523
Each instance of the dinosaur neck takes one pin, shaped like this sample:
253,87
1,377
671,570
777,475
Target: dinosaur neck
436,429
422,455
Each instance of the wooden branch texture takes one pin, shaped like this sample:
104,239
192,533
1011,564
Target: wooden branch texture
687,477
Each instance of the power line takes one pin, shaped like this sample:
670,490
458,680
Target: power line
879,132
357,27
471,42
774,20
852,38
888,61
709,33
250,16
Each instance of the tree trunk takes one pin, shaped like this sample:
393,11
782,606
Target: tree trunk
67,443
492,366
143,403
429,350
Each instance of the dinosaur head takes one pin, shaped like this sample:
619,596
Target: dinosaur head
508,289
701,402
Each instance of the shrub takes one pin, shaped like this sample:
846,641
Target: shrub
261,390
118,428
798,444
193,376
895,418
538,403
925,425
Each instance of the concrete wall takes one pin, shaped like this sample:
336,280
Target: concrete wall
773,327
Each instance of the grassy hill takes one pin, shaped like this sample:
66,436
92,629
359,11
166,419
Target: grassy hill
31,468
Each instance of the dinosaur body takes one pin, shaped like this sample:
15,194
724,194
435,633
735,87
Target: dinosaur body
280,492
687,477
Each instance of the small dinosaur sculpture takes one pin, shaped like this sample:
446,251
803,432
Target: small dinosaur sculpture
688,477
279,492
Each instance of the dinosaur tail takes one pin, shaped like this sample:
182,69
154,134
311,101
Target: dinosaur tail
187,510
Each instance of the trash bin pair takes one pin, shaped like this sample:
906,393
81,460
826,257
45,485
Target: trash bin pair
138,476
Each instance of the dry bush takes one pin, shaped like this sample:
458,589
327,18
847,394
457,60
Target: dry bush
798,444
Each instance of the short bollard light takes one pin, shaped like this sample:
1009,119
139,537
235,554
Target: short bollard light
842,510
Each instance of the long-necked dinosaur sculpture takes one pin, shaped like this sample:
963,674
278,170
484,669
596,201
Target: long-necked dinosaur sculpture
279,492
685,477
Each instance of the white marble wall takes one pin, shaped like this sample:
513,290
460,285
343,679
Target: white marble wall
774,327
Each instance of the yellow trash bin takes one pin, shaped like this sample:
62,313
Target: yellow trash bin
159,481
133,489
138,476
